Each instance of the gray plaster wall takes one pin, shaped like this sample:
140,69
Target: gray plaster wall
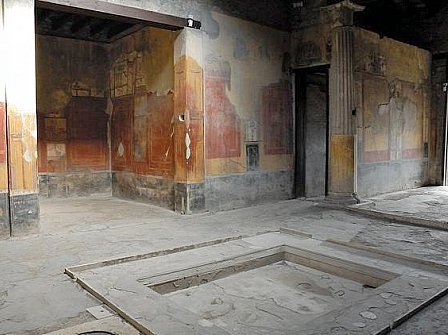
75,184
189,198
148,189
4,215
24,214
243,190
391,176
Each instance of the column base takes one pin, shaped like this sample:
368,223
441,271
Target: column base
189,198
342,199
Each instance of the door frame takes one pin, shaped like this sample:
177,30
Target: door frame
445,127
300,118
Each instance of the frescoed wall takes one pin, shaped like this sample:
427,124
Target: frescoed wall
393,98
248,114
107,108
141,82
72,118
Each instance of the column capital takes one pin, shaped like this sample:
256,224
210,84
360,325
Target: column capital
341,13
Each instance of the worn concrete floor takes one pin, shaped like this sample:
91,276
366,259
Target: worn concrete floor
427,206
36,297
272,294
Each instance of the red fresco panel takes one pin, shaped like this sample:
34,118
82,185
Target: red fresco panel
376,156
222,127
161,130
121,133
87,126
277,120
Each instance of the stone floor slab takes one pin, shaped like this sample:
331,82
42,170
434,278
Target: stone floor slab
152,293
36,297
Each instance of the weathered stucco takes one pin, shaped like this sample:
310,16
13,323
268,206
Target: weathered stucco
247,97
248,111
72,119
393,103
17,41
97,100
141,82
392,93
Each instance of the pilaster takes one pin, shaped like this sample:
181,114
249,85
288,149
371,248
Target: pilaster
189,123
18,59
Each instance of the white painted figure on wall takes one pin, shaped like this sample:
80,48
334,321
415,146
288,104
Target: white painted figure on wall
402,120
395,120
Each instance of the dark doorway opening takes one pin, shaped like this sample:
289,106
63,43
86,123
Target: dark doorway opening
445,147
311,132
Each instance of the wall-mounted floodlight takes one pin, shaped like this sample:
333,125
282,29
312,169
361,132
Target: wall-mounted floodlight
191,23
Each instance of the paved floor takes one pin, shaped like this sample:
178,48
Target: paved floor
426,206
36,297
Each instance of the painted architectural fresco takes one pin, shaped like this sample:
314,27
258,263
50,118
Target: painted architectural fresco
151,127
142,62
22,148
375,120
82,86
392,82
394,98
87,133
71,105
141,80
189,109
277,119
121,134
77,140
223,124
141,134
246,97
312,33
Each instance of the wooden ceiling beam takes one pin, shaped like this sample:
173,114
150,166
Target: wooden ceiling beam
106,10
80,24
101,26
58,21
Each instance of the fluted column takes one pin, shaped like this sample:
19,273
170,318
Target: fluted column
342,82
342,91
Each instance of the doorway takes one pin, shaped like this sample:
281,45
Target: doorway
311,129
445,147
